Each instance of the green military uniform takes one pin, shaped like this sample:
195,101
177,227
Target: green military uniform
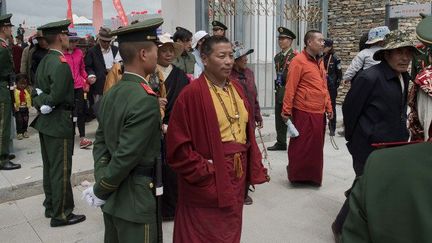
186,62
126,148
6,70
56,129
425,36
392,201
282,61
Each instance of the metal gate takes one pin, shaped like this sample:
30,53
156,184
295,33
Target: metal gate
255,23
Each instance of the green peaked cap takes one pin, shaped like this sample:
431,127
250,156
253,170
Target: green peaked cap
138,32
5,20
424,30
53,28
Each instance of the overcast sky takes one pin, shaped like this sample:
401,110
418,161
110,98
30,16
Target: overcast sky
39,12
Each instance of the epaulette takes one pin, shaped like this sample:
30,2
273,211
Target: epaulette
63,59
148,89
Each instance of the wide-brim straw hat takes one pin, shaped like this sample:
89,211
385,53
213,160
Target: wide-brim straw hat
166,39
394,40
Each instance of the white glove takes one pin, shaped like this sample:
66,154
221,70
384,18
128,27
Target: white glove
91,198
164,128
45,109
39,91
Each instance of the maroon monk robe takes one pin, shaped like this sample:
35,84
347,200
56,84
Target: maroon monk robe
209,202
305,152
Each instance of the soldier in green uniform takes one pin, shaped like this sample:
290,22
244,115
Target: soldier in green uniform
127,145
219,28
6,72
391,201
54,100
282,61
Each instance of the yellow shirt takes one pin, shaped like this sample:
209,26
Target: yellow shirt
235,132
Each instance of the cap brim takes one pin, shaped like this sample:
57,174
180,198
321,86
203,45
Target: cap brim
104,38
379,55
250,51
286,36
369,42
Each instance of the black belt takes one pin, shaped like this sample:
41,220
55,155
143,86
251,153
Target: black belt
65,107
143,171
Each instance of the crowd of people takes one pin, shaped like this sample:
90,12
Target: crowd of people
177,116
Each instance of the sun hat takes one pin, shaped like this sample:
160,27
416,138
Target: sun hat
377,34
197,37
394,40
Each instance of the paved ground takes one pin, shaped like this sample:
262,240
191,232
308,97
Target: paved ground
280,213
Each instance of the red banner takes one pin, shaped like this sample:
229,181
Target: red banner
69,12
119,7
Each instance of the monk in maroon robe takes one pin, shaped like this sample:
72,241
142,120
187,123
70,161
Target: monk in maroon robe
211,146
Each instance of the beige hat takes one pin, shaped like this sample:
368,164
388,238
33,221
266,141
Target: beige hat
105,34
166,39
394,40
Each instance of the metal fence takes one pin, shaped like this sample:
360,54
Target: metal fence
255,23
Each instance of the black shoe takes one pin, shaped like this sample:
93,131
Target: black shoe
277,147
332,133
71,219
337,236
12,156
10,166
248,200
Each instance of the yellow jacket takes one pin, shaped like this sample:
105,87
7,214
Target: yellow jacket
18,104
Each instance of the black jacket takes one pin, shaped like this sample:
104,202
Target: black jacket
333,67
375,109
95,64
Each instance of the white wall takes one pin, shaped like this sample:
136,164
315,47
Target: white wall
178,13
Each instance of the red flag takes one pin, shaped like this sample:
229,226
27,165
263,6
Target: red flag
119,7
69,13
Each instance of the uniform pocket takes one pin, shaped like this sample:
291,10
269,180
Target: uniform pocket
144,198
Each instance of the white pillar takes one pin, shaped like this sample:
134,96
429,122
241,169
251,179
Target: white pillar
178,13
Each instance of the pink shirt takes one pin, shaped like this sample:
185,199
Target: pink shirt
76,64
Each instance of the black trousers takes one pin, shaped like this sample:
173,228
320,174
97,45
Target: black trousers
22,120
169,177
79,111
360,151
332,124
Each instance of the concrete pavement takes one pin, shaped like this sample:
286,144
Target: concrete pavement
280,213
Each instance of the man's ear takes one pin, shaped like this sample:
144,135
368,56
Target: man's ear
204,60
142,54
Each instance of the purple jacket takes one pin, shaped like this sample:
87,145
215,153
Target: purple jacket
247,82
76,64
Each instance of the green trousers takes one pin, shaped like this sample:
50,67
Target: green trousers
5,131
118,230
57,168
281,127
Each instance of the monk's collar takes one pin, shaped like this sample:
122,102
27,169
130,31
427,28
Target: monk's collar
227,83
311,57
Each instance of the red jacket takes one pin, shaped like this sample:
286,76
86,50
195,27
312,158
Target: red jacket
194,138
76,63
250,90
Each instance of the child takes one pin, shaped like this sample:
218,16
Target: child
22,105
